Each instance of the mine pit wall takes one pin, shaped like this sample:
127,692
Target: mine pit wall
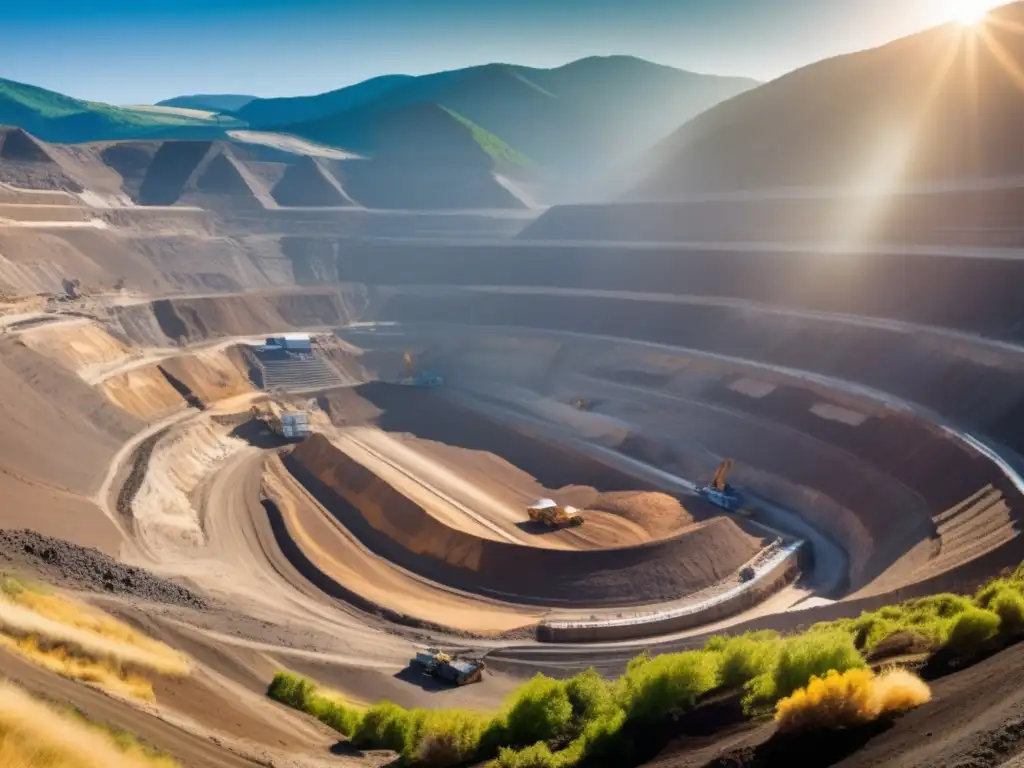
770,582
889,467
970,293
182,321
392,526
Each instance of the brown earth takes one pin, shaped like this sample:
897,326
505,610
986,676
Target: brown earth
394,527
144,392
210,375
44,403
78,346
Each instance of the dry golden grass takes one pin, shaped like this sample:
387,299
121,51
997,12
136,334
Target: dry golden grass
82,643
33,735
854,697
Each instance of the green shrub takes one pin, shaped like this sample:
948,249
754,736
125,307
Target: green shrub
972,629
652,688
538,711
988,593
536,756
387,726
1009,607
745,657
590,696
812,654
447,738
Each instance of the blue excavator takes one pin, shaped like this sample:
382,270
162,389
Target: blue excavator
420,379
719,492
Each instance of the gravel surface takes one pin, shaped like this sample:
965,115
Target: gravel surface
68,565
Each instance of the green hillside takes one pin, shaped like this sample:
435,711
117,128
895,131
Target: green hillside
573,117
53,116
492,145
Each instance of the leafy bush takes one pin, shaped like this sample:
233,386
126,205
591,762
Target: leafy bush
745,657
806,656
538,711
590,696
652,688
972,629
849,698
1009,607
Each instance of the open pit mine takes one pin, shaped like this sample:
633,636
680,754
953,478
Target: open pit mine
309,436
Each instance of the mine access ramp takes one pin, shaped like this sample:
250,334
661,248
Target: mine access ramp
448,668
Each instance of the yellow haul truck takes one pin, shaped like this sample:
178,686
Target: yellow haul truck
552,514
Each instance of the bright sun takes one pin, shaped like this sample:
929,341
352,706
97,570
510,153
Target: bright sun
970,12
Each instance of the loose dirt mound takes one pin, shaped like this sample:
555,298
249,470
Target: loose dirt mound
163,508
393,527
42,406
172,166
346,408
143,392
210,376
79,347
657,513
68,565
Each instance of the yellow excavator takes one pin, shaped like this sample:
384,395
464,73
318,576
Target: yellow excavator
554,515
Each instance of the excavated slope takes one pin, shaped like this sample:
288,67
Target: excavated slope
58,430
393,527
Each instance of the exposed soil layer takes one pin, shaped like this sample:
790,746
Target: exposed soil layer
881,285
394,527
42,404
68,565
190,320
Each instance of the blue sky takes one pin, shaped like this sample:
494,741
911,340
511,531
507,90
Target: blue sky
141,51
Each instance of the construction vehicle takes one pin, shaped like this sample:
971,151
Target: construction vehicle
719,492
553,515
284,421
421,379
448,668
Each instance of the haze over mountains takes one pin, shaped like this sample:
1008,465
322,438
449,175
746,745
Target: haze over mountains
946,103
942,104
538,126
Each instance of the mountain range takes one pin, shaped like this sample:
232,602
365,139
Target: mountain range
946,103
540,125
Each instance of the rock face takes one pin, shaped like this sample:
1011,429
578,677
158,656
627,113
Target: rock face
75,567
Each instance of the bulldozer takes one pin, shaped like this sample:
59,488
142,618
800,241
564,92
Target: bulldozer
719,492
554,515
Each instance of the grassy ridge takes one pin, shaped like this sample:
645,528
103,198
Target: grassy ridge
589,720
80,642
33,735
499,151
55,117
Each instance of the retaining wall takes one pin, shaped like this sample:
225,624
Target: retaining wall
782,571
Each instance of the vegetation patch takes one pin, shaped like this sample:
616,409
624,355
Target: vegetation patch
33,735
851,698
82,643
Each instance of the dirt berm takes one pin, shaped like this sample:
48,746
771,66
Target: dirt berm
394,527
